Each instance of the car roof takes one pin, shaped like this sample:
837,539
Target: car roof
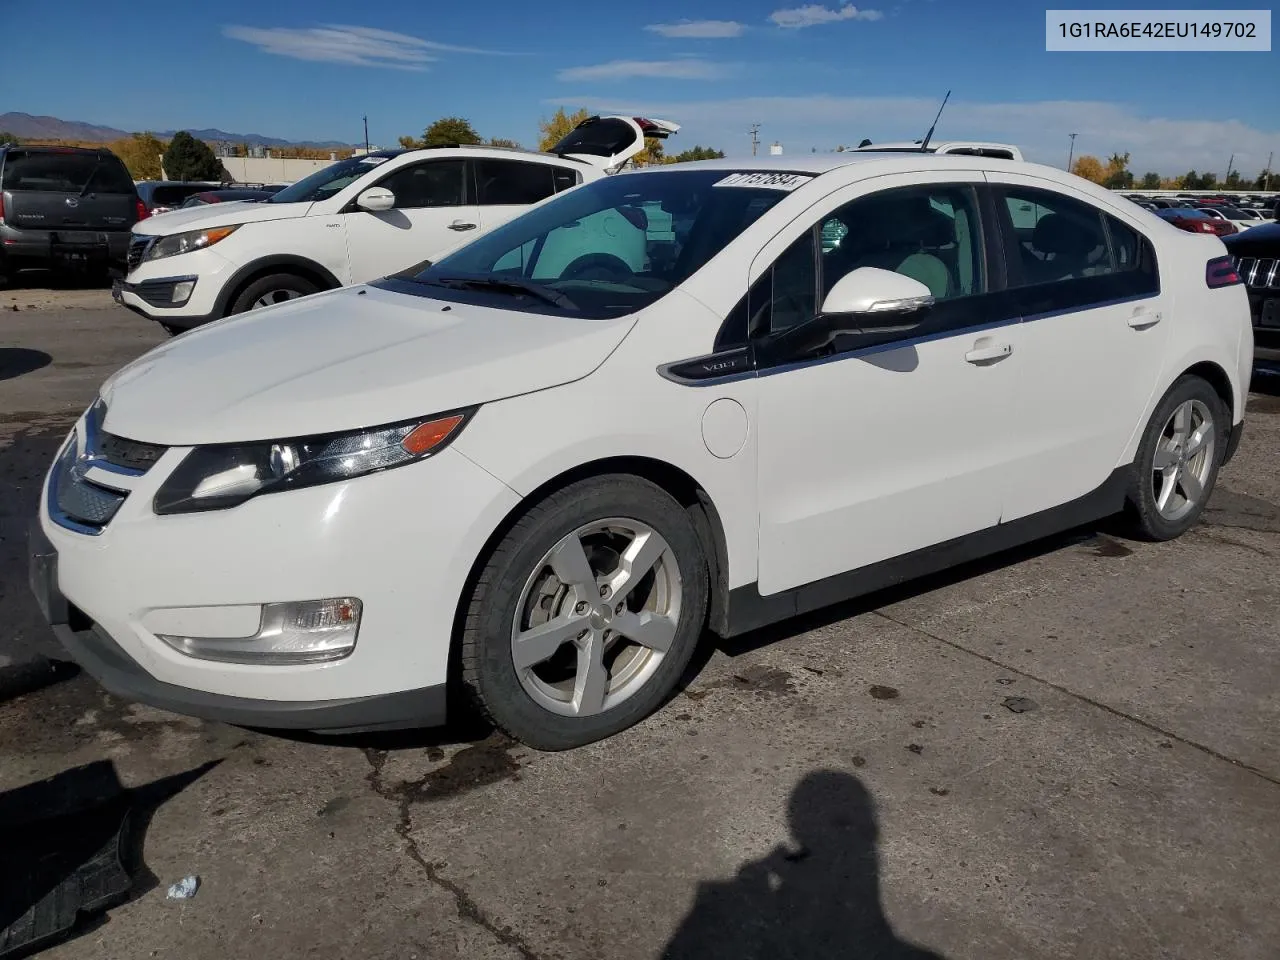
820,163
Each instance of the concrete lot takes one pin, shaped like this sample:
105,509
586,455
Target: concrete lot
848,786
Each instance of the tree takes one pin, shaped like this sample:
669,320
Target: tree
652,154
187,158
1208,181
1263,181
561,124
504,142
1117,175
1189,181
1151,181
1090,168
141,153
448,130
7,137
697,152
1234,181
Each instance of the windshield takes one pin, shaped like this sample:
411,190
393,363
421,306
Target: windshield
611,247
1181,213
324,183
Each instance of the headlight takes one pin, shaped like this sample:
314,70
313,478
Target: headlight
226,475
178,243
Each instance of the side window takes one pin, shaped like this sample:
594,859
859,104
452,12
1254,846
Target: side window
512,182
786,296
1058,238
436,183
1126,245
564,178
927,233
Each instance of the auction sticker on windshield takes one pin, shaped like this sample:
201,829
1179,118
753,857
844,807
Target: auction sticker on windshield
769,181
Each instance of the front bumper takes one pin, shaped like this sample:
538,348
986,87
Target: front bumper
148,290
401,541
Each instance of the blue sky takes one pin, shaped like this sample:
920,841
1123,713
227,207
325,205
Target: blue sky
811,75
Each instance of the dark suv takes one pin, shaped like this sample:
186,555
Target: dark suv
64,206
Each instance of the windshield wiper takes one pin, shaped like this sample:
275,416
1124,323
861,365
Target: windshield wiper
89,182
510,285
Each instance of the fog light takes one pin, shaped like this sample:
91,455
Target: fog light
182,291
305,631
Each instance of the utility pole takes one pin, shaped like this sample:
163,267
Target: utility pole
755,138
1266,174
366,134
1072,152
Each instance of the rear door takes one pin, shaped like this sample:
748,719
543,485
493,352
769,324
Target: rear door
1087,285
74,193
609,142
505,187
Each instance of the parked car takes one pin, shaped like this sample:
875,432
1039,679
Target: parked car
1256,255
356,220
162,196
64,207
225,196
543,465
1197,221
974,148
1233,215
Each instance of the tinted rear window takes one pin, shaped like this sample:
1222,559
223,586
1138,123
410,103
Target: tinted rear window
172,196
598,138
65,172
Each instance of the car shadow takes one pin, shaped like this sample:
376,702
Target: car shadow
18,361
71,279
72,849
817,900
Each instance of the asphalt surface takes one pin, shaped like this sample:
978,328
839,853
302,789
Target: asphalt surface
850,785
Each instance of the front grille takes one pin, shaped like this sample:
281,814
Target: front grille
130,454
137,250
1262,273
79,500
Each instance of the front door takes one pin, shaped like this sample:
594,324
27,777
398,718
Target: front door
884,446
434,212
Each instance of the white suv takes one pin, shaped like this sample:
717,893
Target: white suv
542,466
354,221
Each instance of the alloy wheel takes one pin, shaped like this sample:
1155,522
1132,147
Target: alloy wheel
1184,460
596,617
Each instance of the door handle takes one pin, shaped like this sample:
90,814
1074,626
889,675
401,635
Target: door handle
461,225
1141,319
989,353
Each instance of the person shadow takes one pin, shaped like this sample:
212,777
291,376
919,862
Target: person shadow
817,901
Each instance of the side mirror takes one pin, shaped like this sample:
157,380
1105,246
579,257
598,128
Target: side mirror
871,300
376,200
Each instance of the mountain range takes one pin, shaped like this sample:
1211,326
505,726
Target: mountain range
27,127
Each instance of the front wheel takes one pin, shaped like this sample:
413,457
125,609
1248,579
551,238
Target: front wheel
586,614
270,290
1178,459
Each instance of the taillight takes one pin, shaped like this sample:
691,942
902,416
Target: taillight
143,212
1221,272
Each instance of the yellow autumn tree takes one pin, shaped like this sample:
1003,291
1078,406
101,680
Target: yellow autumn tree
551,132
141,153
1090,168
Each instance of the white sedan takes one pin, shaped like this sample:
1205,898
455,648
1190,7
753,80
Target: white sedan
703,397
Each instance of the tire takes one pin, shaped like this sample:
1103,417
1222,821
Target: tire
276,287
172,330
548,702
1158,517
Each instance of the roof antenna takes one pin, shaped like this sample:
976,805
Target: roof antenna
924,147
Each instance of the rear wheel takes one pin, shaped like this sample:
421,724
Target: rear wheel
1178,459
272,289
586,614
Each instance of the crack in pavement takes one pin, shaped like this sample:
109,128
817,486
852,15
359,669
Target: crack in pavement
467,907
1147,724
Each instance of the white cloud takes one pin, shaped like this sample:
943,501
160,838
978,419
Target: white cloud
339,43
1166,145
810,15
699,29
691,69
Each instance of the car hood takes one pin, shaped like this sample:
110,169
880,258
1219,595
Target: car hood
344,359
218,215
